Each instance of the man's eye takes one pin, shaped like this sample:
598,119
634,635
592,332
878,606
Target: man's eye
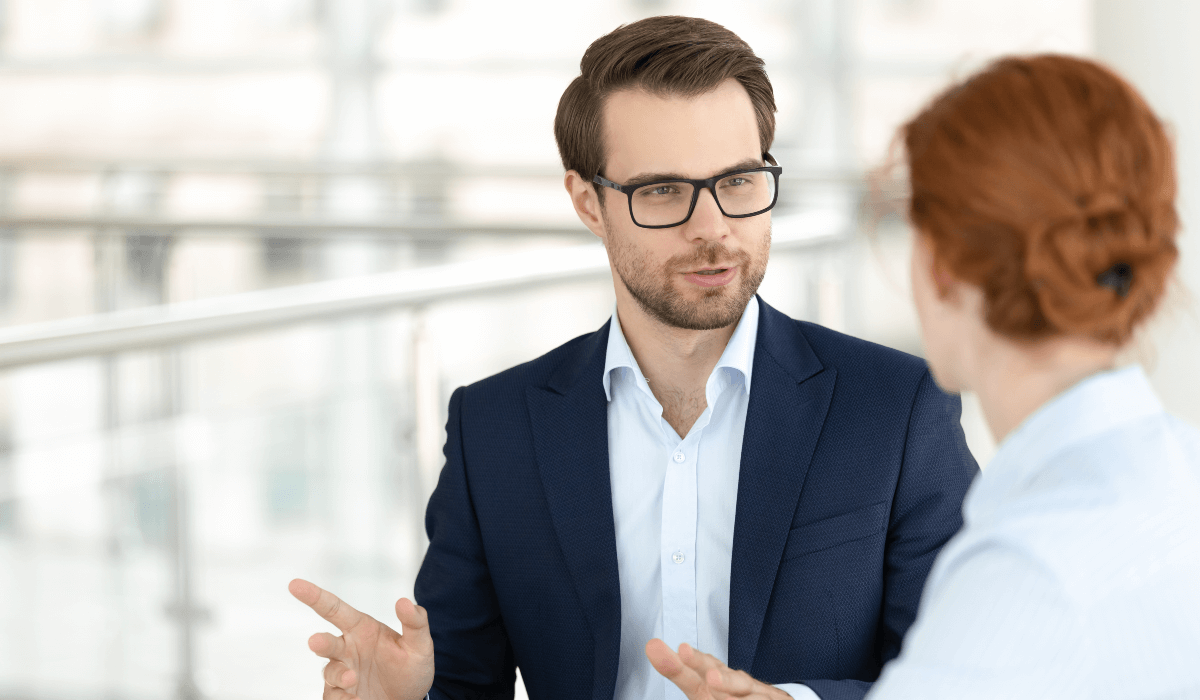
736,181
660,190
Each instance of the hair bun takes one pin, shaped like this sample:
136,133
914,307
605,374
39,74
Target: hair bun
1102,203
1034,178
1065,261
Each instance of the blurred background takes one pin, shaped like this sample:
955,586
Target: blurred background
249,247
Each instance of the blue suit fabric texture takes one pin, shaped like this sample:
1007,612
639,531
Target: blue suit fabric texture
853,472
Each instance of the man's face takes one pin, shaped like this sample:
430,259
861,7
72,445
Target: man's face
699,275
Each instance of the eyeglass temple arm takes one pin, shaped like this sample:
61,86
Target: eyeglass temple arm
607,183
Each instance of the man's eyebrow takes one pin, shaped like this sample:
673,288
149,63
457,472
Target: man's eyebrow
644,178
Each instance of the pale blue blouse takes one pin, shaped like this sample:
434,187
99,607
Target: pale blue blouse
1077,571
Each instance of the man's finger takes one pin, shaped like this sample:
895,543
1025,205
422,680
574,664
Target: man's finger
412,616
702,663
735,683
414,626
338,675
326,604
332,693
667,662
697,660
327,645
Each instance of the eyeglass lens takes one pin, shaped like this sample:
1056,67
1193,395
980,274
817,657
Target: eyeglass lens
738,194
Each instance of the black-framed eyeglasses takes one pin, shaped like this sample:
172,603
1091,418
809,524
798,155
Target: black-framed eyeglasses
739,194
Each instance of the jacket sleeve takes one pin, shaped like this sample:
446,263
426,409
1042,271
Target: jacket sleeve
935,473
472,654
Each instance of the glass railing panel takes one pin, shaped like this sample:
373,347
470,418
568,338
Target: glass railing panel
154,503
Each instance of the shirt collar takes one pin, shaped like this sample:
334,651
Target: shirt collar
1099,403
737,359
739,353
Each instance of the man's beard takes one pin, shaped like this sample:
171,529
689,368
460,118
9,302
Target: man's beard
719,307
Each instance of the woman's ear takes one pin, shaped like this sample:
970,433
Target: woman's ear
930,263
946,283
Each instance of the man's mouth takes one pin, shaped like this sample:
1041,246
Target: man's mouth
712,277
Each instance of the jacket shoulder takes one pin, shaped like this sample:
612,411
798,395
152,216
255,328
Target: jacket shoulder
539,371
862,361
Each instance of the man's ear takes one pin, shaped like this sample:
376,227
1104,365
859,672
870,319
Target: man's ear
587,204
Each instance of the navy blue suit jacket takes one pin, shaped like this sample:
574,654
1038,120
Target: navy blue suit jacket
853,473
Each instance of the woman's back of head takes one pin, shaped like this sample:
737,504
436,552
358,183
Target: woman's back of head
1049,184
1043,193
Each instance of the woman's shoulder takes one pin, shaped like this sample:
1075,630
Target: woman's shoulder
1186,438
1153,459
1103,517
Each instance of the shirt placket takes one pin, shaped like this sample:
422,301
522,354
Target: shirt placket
678,553
679,522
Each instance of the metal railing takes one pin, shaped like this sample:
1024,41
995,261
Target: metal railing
250,311
282,226
293,199
170,329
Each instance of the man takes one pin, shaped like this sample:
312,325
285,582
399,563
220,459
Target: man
702,469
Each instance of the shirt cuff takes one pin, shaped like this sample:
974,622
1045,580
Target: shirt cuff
798,691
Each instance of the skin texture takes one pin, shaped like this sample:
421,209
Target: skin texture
1011,378
703,677
370,660
677,329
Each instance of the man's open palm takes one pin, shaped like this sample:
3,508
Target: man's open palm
370,661
705,677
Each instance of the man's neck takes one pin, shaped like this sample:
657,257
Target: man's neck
675,361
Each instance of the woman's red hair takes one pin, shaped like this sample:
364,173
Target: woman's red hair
1033,178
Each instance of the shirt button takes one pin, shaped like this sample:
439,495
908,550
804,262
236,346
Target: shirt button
677,557
678,457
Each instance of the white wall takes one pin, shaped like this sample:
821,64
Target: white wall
1153,43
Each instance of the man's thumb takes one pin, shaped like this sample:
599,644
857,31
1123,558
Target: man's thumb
413,617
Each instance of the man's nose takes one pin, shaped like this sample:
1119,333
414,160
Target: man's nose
707,221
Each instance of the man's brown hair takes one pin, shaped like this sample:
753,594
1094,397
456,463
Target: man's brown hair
666,55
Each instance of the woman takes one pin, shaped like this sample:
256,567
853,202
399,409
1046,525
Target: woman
1043,199
1043,196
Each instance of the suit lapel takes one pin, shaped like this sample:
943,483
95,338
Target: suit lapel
789,396
569,418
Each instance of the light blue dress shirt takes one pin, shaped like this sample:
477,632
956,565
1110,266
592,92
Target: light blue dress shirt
1077,571
674,504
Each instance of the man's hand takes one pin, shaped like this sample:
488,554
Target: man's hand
703,677
370,661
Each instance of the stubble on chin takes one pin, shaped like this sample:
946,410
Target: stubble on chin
654,287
